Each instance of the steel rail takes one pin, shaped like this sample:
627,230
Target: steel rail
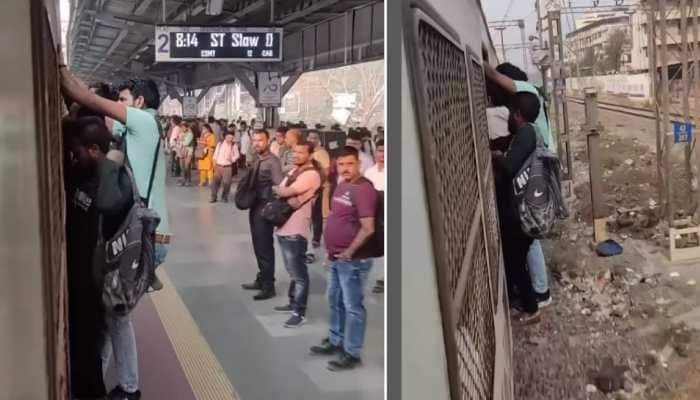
648,113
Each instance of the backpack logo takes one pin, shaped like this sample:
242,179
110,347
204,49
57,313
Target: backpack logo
538,193
119,244
521,181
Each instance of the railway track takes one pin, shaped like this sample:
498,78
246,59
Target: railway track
641,112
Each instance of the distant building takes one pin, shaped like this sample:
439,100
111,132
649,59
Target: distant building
640,40
594,35
590,18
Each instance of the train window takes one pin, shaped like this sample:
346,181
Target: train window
479,103
444,108
484,54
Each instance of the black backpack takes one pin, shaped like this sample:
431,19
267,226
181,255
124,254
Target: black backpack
128,257
374,246
245,191
537,192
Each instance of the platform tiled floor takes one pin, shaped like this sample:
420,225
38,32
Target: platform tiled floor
211,255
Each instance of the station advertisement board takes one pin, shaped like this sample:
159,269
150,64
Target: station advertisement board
181,43
189,106
269,89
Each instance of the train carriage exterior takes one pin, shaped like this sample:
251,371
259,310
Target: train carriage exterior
454,300
33,332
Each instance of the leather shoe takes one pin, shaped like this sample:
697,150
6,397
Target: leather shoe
265,294
252,286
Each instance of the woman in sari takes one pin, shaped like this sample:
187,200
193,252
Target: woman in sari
205,155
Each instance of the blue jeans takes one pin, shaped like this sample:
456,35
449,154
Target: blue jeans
346,292
120,340
161,253
537,267
294,254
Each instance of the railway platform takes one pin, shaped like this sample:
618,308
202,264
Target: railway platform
203,337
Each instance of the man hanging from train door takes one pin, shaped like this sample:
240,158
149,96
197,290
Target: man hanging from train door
133,119
513,80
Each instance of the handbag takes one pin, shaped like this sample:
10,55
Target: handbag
278,210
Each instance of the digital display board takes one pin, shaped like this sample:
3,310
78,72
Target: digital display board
208,44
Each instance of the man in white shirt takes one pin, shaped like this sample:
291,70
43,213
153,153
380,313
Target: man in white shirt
175,133
225,157
245,144
376,175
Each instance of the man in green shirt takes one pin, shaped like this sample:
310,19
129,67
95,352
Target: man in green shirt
512,80
133,119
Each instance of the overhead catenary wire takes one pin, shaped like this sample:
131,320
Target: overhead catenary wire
510,5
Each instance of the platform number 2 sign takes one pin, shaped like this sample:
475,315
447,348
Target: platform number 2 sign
163,40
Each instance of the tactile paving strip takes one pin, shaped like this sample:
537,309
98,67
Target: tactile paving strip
201,367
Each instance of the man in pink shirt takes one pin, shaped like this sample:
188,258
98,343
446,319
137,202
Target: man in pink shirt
300,186
225,156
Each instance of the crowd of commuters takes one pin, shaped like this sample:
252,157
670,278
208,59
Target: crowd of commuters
117,147
517,118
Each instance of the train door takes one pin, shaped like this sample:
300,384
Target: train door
445,132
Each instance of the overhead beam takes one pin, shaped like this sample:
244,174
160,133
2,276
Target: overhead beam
287,86
242,77
306,11
204,93
115,44
141,8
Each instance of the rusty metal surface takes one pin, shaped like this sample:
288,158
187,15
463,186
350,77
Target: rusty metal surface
48,107
478,91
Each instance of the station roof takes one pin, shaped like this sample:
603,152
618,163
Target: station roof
112,39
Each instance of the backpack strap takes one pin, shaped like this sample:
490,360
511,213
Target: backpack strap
153,167
153,172
293,176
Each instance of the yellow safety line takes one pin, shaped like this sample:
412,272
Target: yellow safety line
202,369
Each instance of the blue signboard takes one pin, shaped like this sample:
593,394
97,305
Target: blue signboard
682,132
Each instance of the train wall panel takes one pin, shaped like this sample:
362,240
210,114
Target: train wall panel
424,366
445,43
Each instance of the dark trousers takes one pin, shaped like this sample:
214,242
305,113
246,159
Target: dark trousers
317,218
222,175
174,164
515,248
294,254
263,245
86,320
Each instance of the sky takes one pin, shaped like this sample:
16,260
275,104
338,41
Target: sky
65,14
525,9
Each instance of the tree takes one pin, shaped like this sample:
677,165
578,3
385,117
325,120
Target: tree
588,62
366,81
613,51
